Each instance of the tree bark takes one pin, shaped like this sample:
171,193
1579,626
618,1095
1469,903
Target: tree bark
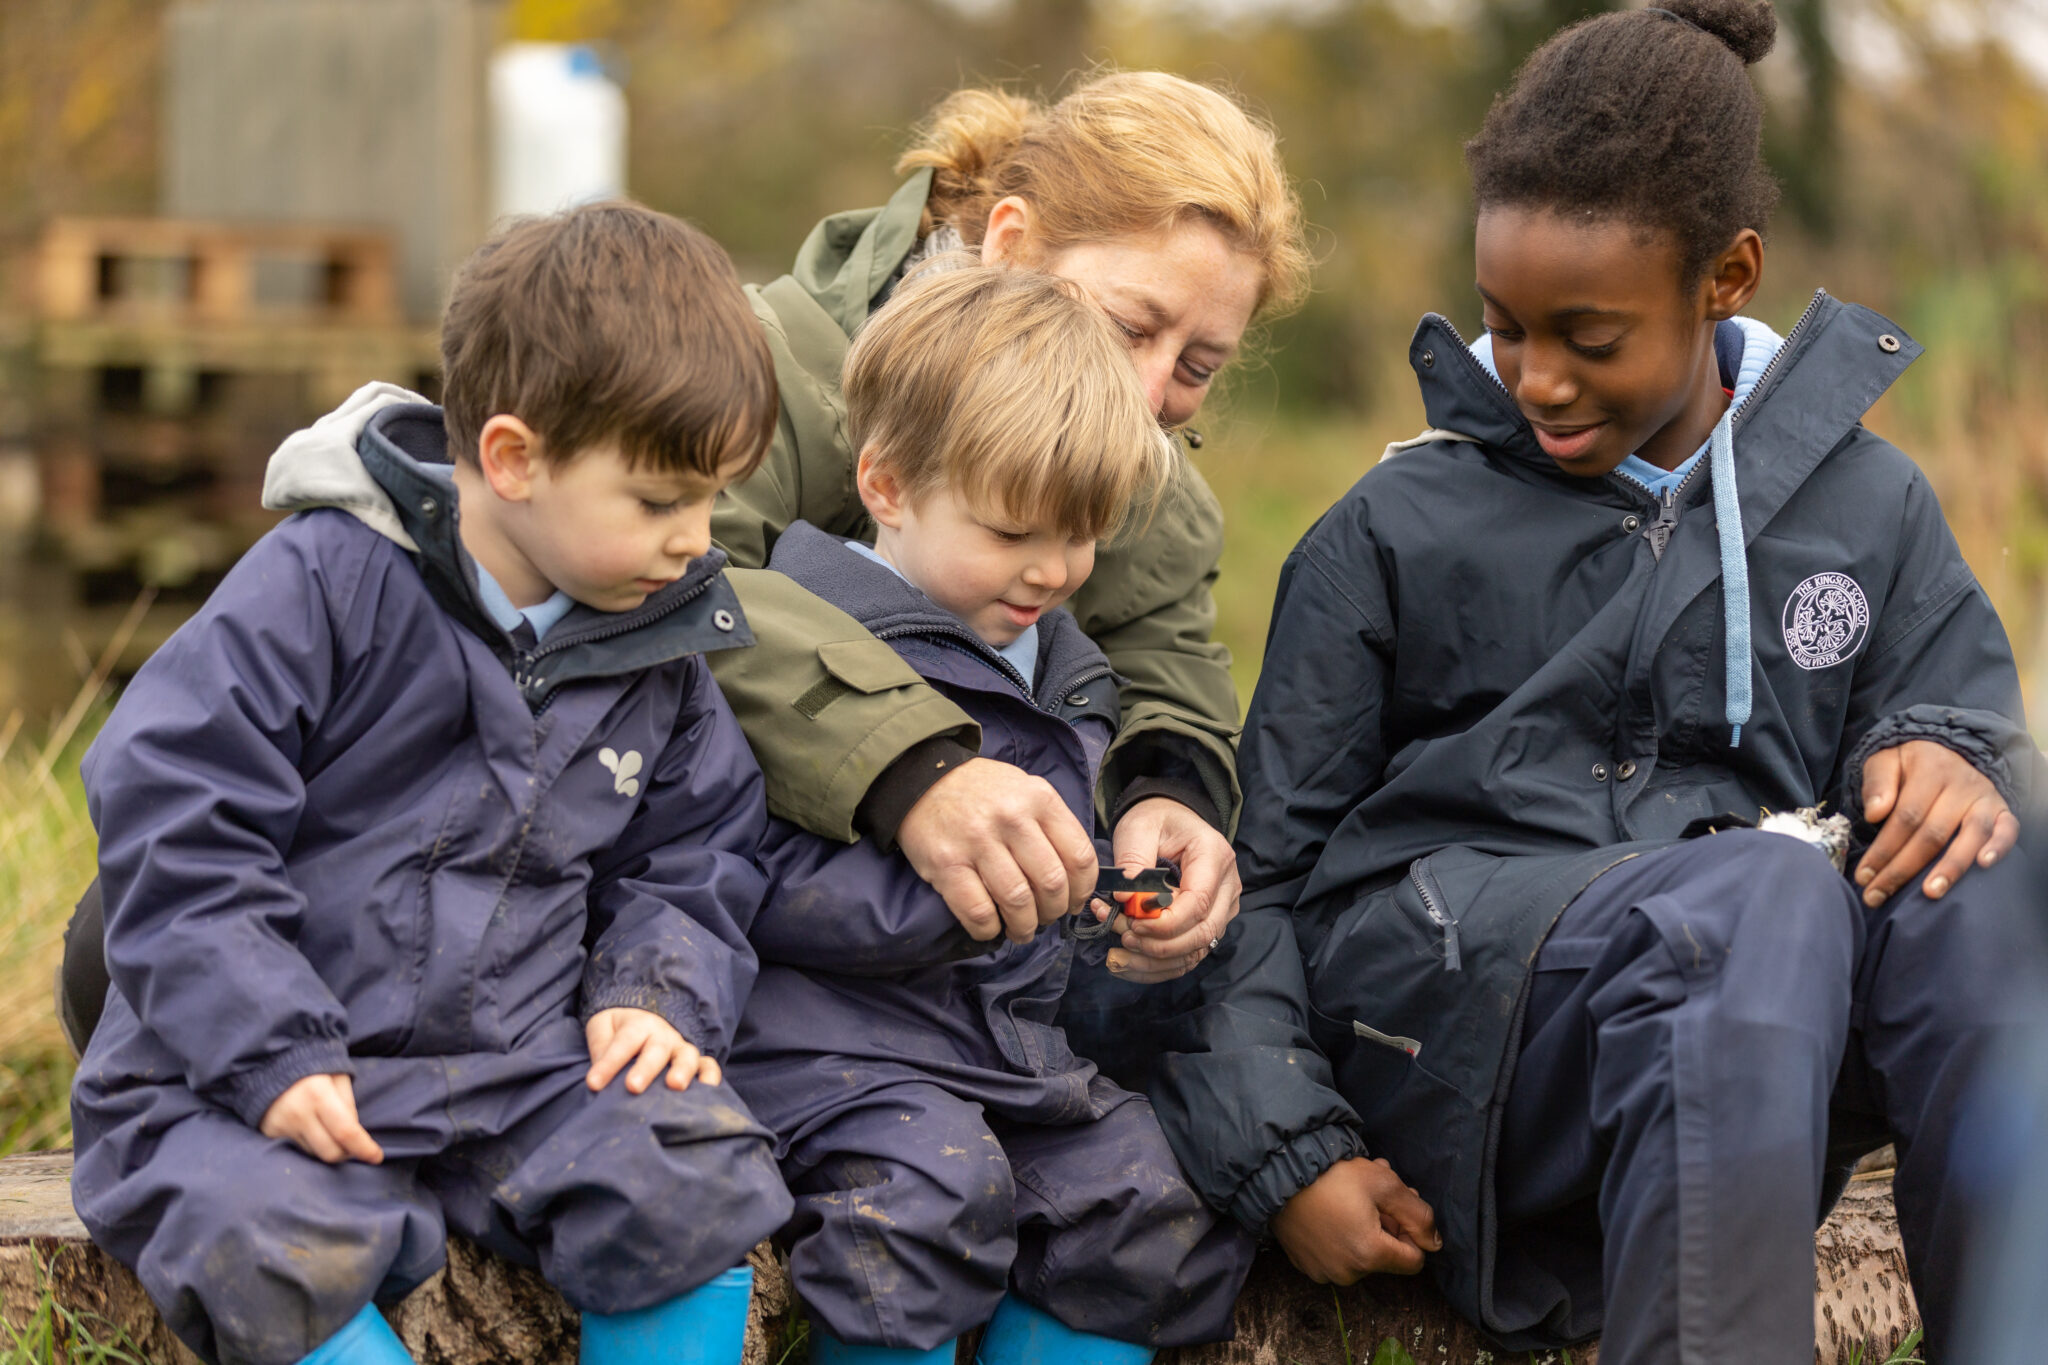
482,1310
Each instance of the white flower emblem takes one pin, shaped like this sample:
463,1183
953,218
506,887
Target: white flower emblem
622,770
1827,619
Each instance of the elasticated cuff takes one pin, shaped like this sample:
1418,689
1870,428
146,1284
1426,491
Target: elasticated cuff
683,1013
1947,726
1291,1169
251,1093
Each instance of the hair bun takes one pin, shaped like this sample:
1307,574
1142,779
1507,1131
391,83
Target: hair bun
1748,27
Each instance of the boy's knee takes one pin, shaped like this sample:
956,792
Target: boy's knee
267,1285
647,1196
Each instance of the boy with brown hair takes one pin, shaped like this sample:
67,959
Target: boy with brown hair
428,843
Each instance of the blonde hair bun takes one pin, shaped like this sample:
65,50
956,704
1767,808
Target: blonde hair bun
1123,153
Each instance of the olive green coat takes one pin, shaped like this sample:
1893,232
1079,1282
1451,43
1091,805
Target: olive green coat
827,706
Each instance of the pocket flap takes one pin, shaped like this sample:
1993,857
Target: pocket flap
866,665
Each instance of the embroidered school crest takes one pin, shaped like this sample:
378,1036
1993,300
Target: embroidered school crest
1827,619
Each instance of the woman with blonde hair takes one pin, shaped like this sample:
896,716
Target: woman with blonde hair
1166,201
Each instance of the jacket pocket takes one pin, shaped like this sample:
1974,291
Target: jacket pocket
867,666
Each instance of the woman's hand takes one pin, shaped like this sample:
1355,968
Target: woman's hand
1357,1219
1929,798
1001,847
651,1044
317,1115
1163,830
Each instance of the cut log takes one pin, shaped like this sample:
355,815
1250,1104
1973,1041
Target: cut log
482,1310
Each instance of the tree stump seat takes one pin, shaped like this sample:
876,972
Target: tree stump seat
482,1310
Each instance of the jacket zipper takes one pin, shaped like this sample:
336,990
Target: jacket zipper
970,643
527,659
1659,532
1433,907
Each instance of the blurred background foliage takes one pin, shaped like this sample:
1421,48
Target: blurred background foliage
1911,137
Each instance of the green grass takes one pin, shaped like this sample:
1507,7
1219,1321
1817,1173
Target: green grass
56,1335
46,859
1905,1353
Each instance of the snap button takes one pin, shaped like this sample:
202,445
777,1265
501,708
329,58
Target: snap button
1631,523
1428,359
1078,699
1888,343
722,619
1599,772
1626,770
428,507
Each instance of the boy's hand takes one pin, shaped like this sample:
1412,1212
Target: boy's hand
622,1035
1357,1219
1002,848
1163,830
317,1114
1928,798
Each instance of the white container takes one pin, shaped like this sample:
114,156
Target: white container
558,129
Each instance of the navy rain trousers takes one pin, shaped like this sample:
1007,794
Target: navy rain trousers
1715,1031
257,1252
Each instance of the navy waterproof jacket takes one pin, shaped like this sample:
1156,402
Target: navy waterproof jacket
1486,682
867,980
344,816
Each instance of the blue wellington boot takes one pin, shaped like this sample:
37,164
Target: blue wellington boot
1022,1335
365,1339
827,1349
707,1326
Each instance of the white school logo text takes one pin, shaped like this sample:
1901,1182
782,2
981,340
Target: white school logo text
1827,619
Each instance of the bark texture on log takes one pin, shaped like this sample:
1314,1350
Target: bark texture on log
482,1310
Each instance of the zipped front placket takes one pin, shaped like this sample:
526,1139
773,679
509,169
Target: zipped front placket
970,643
525,661
1433,907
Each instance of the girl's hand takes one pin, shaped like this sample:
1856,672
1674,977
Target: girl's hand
651,1044
1358,1218
317,1114
1163,830
1929,798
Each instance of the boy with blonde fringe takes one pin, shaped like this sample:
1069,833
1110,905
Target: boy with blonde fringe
950,1156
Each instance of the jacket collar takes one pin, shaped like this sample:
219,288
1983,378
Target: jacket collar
891,608
404,449
850,257
1832,367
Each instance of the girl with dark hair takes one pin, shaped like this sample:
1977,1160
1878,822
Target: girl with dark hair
1644,582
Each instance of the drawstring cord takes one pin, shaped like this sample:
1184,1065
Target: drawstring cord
1734,573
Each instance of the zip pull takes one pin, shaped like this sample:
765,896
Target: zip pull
1658,533
1437,915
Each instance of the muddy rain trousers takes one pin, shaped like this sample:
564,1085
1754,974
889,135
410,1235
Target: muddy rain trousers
943,1142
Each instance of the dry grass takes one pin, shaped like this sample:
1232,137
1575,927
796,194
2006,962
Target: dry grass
46,858
47,854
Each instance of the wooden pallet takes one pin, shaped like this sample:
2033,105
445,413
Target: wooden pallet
171,270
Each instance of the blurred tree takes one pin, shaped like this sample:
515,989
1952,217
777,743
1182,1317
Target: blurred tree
78,108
